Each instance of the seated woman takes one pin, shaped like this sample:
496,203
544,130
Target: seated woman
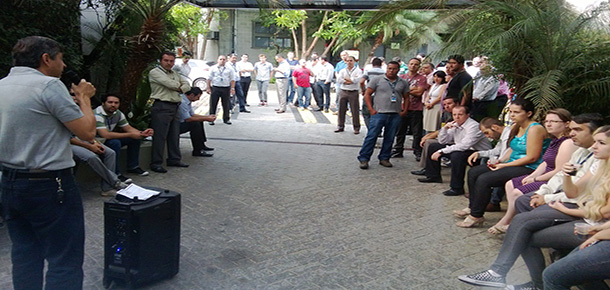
524,235
527,142
559,152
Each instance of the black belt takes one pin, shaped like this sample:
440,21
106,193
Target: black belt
221,87
280,78
167,102
245,77
26,174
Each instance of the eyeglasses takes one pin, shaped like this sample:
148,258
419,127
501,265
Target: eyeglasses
553,121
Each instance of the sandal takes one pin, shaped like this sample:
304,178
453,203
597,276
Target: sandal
497,230
462,212
471,222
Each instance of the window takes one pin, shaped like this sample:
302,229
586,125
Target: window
272,36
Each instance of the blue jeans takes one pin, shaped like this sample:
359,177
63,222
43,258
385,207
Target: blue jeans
290,91
304,96
44,225
389,122
590,265
133,152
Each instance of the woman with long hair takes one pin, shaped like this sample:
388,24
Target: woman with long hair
432,99
527,142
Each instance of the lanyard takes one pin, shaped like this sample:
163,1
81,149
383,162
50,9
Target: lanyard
581,162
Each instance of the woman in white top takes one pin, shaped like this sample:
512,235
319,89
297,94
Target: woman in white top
432,99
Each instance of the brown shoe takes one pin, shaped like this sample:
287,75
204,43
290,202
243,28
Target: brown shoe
385,163
493,207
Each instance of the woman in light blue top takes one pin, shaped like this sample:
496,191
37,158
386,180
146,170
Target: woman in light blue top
527,143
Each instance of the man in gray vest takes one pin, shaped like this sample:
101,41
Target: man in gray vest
41,203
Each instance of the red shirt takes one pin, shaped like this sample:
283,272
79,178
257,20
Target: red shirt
415,103
302,75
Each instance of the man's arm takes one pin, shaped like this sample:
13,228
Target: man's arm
368,99
83,127
94,147
200,118
159,77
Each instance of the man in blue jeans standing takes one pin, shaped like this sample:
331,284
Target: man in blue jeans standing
387,98
112,125
41,203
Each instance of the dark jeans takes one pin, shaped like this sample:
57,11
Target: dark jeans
387,122
197,134
323,91
244,82
481,181
317,95
241,98
222,94
589,266
522,204
459,161
519,237
44,225
413,119
165,120
133,152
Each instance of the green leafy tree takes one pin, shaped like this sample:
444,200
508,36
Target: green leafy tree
191,21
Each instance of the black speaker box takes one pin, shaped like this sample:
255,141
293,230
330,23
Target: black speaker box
142,239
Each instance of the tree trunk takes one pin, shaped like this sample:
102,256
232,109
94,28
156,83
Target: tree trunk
303,39
378,42
330,46
315,40
296,43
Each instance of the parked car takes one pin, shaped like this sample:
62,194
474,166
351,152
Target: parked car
200,72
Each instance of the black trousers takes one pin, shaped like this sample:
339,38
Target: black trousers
165,120
459,161
413,119
244,82
222,93
197,134
481,180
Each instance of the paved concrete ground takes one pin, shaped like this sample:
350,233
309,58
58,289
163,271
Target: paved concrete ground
283,205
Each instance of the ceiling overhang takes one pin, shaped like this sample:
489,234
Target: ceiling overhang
313,4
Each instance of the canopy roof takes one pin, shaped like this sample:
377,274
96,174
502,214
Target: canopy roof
308,4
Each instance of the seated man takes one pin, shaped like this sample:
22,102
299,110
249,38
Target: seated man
430,138
458,139
91,153
193,123
112,125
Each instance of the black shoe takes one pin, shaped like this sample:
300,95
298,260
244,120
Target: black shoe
177,164
421,172
124,179
158,168
339,130
396,154
247,105
453,192
245,111
417,158
202,153
212,123
138,171
430,180
206,148
228,122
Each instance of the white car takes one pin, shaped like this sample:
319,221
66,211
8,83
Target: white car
200,72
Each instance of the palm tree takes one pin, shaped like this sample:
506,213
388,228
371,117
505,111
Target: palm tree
552,54
146,45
